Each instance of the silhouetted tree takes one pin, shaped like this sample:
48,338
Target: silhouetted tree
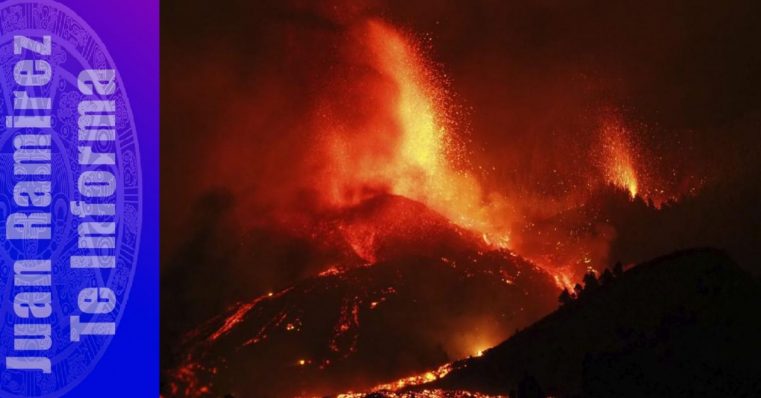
578,290
618,269
565,297
607,277
590,281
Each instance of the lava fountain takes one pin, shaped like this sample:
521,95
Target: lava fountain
619,161
411,151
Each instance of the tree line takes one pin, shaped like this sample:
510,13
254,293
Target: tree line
591,282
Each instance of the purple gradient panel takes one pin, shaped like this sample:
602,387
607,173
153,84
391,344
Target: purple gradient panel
130,32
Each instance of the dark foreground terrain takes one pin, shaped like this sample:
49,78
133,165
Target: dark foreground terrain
683,325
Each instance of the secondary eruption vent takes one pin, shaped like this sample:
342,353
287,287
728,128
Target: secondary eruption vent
619,156
626,164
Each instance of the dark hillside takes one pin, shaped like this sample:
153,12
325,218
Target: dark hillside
686,324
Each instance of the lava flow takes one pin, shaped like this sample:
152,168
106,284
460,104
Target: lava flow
398,389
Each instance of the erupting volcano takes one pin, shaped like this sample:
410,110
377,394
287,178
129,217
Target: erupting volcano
418,252
371,242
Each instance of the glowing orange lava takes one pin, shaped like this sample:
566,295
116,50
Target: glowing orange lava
240,313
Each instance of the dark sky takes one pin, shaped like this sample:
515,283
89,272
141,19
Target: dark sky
238,76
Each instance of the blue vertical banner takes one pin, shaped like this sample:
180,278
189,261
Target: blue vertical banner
78,198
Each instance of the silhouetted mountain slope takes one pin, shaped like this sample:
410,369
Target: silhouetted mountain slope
683,325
